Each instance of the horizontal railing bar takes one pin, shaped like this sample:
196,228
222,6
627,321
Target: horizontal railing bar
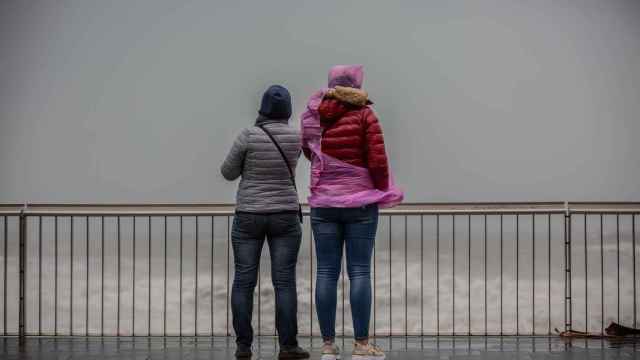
305,212
149,204
604,203
203,204
226,210
574,206
403,209
458,335
418,334
505,211
125,213
605,211
10,209
427,204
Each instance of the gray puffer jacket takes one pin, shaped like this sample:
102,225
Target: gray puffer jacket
265,186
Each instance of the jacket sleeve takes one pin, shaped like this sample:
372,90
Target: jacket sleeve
376,154
232,165
303,139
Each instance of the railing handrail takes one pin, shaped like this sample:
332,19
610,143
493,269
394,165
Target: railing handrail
28,211
225,209
10,209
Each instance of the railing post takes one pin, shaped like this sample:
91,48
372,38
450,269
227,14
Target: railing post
567,269
22,279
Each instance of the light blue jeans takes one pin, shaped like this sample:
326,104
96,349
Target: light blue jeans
355,228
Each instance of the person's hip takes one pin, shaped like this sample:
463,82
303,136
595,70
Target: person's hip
359,214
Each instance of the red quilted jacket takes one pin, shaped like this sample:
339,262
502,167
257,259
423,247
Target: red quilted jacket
352,133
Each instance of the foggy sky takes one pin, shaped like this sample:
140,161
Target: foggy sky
138,101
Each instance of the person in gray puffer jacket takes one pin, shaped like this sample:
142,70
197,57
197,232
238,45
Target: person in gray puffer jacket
265,186
266,207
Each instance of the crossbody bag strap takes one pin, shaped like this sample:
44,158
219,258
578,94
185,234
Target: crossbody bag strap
284,157
286,161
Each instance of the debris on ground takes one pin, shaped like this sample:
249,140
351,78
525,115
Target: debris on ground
614,330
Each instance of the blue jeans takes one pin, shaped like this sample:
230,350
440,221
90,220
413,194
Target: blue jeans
283,235
355,228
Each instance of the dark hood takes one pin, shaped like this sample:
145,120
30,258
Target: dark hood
276,103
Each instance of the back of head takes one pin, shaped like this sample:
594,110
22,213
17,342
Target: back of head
276,103
346,75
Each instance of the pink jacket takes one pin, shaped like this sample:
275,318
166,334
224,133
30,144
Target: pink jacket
335,183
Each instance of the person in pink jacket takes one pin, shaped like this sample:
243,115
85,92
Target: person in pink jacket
350,180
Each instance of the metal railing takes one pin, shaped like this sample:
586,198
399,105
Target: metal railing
438,269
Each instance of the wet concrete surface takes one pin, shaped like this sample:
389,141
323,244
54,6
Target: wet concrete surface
443,347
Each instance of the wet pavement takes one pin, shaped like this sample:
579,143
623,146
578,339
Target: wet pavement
406,348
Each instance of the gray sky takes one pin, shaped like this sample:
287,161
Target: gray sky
138,101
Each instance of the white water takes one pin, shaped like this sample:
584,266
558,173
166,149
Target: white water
418,319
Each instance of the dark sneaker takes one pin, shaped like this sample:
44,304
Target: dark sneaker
243,352
293,353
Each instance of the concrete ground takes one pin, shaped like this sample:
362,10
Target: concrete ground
443,347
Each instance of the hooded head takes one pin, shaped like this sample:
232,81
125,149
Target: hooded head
276,103
346,75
